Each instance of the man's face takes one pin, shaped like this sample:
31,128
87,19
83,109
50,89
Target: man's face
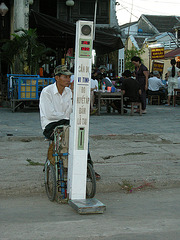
136,64
63,80
102,70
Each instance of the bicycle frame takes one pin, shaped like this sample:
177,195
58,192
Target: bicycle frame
55,179
59,166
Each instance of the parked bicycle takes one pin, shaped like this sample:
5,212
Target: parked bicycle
56,168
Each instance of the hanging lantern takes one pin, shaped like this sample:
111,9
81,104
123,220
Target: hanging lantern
69,3
3,9
31,2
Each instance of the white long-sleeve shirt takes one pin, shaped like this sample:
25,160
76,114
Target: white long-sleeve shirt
54,106
94,83
154,84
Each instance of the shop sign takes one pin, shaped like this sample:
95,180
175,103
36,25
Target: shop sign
158,67
157,53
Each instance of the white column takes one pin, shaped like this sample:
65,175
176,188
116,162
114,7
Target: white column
79,120
121,62
21,14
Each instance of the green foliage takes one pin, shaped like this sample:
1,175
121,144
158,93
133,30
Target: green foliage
24,52
129,54
127,186
32,163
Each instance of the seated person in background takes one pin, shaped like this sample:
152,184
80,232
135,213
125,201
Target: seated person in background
130,88
165,81
102,69
120,80
94,87
106,80
159,76
94,75
156,87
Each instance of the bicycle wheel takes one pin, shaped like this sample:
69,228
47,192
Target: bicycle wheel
50,181
90,182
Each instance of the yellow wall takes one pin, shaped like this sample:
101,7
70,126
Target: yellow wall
147,59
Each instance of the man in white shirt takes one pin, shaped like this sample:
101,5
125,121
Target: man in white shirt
155,83
155,86
56,102
56,106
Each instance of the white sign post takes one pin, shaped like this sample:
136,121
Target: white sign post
79,120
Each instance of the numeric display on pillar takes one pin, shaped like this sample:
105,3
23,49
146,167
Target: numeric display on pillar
85,48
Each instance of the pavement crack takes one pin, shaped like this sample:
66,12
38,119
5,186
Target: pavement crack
125,154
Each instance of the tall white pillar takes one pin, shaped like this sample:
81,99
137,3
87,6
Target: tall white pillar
121,62
21,14
79,121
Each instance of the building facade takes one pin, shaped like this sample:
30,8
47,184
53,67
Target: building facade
19,12
153,32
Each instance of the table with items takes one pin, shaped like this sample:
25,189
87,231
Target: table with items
108,97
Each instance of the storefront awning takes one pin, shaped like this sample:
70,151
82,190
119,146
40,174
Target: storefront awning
172,54
60,34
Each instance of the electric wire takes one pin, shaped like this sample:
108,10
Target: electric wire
141,10
128,11
146,9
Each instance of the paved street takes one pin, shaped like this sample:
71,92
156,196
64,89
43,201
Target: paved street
147,215
159,120
137,157
139,152
138,149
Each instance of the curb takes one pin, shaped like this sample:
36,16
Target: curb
101,187
20,138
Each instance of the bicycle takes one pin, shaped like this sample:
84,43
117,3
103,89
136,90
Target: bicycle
56,174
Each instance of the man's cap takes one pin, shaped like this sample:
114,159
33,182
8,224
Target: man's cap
155,73
62,69
103,67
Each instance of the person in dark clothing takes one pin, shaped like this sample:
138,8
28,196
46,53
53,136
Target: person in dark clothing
141,73
105,80
131,87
